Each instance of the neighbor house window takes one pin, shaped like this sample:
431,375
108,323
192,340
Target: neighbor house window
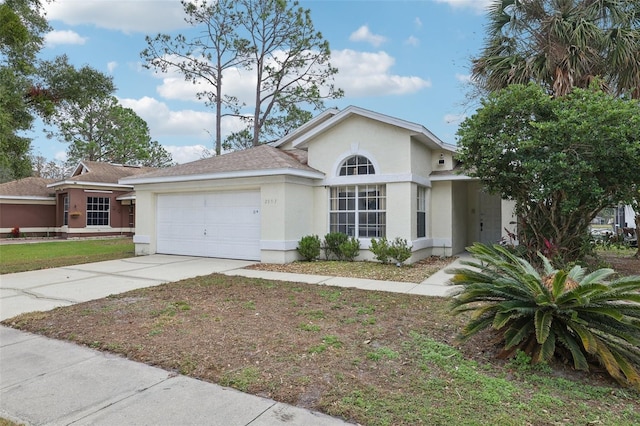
357,165
97,211
422,212
358,210
65,210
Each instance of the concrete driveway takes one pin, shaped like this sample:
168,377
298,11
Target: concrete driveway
49,288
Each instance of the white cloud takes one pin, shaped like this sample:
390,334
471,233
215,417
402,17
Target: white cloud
56,38
129,16
417,22
111,66
237,82
412,41
368,74
463,78
364,34
60,156
188,123
480,6
186,154
164,122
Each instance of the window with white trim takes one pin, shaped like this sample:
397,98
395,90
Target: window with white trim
358,210
357,165
422,212
97,211
65,210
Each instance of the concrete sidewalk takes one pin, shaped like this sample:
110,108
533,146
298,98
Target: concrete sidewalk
50,382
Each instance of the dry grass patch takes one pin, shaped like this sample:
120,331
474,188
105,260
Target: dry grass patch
414,273
370,357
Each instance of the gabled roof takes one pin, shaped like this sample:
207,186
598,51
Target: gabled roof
263,160
330,118
35,187
101,174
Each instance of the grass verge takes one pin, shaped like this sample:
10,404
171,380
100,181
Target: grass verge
42,255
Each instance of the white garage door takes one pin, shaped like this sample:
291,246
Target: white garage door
217,224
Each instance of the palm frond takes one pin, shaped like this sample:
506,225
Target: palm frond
543,320
569,342
547,349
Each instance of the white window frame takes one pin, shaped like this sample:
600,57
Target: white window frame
421,208
103,205
351,206
65,210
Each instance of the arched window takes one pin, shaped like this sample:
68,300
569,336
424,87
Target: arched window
357,165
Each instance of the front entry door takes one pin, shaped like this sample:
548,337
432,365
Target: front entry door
490,218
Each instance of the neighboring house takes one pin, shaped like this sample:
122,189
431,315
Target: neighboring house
90,202
352,171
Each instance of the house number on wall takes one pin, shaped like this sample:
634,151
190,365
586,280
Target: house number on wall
271,201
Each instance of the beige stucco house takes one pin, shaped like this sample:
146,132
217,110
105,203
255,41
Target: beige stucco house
352,171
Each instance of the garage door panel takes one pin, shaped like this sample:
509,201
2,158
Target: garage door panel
221,224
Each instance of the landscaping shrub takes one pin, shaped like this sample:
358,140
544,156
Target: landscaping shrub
570,315
309,247
350,249
380,249
399,250
332,242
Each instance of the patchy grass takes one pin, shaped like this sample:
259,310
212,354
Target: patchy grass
53,254
414,273
370,357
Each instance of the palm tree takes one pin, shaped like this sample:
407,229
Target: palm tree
562,44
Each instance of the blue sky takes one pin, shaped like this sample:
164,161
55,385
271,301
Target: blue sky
407,59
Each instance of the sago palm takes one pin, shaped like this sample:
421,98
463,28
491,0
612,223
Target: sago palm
568,314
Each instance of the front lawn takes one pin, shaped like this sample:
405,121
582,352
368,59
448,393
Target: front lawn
53,254
370,357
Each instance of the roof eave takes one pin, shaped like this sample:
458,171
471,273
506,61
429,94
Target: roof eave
316,121
309,174
80,182
27,198
449,177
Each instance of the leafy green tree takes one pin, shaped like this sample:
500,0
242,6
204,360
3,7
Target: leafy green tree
561,160
561,44
290,60
204,57
578,317
103,130
22,25
273,39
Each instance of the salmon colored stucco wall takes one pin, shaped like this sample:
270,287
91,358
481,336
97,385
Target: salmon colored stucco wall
27,215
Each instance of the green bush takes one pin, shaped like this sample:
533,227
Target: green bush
380,249
309,247
350,249
399,250
332,242
571,315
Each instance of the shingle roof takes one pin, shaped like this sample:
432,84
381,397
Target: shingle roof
28,187
95,171
263,157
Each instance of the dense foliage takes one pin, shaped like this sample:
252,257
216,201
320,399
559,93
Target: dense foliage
21,36
561,160
309,247
574,316
561,44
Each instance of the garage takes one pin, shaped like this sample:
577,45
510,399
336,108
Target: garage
214,224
